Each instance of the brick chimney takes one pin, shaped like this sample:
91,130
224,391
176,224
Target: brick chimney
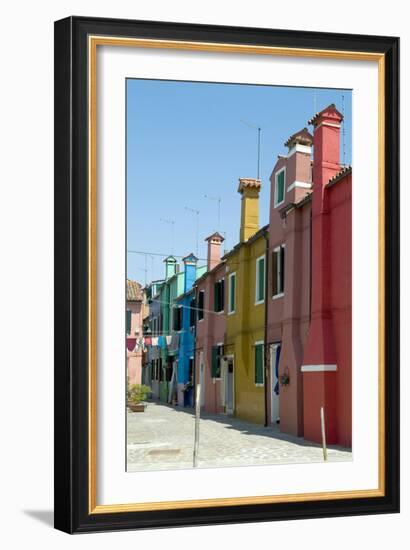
319,362
170,266
298,166
249,189
189,271
214,250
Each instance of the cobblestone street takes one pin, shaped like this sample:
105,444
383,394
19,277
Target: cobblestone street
162,438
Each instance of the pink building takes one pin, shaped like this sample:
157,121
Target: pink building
134,320
309,285
210,329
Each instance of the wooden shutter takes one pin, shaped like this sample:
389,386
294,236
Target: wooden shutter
258,363
282,269
128,321
222,293
261,278
215,362
216,297
274,273
201,305
232,284
280,188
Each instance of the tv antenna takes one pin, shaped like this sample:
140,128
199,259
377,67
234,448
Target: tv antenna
219,200
172,223
196,212
255,127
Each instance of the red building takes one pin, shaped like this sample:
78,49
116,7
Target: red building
308,343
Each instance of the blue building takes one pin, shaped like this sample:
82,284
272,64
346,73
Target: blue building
184,323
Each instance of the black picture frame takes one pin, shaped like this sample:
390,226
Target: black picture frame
71,387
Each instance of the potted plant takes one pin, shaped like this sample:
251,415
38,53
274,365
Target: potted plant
136,395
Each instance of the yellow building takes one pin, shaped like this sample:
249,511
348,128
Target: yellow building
245,320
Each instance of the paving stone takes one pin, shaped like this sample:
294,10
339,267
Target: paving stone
162,438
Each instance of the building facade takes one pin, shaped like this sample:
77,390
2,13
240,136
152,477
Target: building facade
135,311
211,327
243,366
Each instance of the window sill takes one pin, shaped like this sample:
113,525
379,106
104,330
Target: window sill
276,296
231,312
260,302
259,385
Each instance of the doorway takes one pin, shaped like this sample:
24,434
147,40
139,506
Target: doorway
274,376
229,385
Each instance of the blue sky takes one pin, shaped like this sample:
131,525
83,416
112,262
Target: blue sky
186,140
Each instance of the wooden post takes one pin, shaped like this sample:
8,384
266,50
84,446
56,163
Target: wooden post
197,418
322,423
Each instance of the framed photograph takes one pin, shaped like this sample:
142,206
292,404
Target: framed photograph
226,274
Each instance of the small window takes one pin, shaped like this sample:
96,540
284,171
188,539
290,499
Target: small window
219,295
259,370
232,293
201,305
217,352
278,271
280,187
260,280
128,321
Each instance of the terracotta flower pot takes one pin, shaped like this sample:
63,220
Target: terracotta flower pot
136,407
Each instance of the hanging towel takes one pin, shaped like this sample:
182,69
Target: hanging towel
154,341
148,340
168,339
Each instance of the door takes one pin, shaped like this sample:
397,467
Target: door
274,376
229,387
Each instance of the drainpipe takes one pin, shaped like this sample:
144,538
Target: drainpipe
265,337
194,347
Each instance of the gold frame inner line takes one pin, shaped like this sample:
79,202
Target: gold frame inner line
93,43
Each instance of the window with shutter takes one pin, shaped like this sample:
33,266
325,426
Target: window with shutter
232,291
216,361
259,378
216,296
278,271
128,321
201,305
192,313
280,188
260,280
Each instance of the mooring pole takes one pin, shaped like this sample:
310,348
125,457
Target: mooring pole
322,423
197,418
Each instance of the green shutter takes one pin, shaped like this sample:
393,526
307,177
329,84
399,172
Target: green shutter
261,279
222,300
280,187
274,273
215,362
128,321
232,293
216,297
259,364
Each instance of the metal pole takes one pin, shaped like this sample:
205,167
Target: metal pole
322,423
197,417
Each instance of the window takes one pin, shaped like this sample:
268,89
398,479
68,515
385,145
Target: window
217,352
232,293
201,305
280,187
128,321
219,295
177,318
260,280
192,313
259,368
278,271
